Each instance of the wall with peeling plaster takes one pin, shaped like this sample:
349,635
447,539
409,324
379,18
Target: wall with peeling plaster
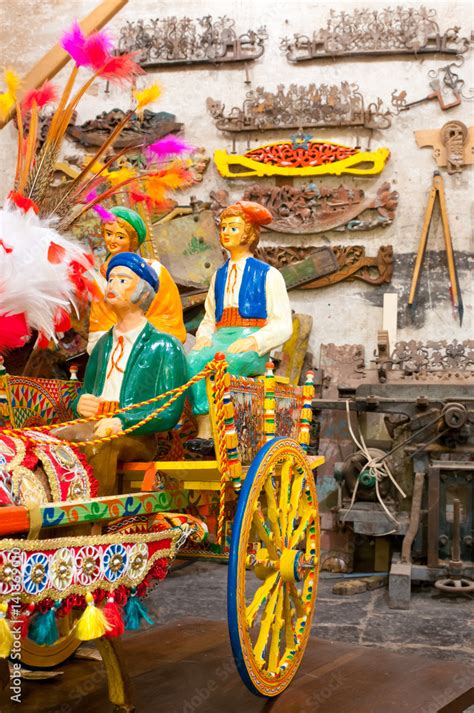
348,312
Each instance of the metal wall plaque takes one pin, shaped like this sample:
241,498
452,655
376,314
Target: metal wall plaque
312,106
314,209
172,40
366,32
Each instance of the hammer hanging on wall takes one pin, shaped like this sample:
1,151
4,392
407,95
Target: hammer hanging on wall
437,190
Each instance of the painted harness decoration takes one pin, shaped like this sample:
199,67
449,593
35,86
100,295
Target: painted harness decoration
301,157
400,31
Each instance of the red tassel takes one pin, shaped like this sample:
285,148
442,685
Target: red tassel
56,253
23,621
113,614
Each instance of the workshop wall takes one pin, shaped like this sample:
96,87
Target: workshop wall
347,312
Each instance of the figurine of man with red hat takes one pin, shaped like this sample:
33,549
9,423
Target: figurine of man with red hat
248,311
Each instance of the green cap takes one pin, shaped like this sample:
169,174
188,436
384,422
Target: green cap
132,218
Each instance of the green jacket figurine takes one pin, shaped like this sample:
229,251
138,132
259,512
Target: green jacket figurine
156,364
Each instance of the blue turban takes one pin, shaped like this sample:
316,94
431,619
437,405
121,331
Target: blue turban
136,264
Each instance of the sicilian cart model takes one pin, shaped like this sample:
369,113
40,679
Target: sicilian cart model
255,504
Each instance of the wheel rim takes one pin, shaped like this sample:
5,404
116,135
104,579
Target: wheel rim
273,568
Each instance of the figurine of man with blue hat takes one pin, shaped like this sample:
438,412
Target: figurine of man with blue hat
133,362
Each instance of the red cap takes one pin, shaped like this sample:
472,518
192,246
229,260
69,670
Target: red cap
255,212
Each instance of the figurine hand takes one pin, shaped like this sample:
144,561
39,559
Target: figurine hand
201,343
88,405
107,426
247,344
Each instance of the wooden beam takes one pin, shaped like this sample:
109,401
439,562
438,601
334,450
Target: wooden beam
54,60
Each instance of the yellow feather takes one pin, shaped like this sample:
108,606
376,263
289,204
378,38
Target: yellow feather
122,174
146,96
12,81
7,102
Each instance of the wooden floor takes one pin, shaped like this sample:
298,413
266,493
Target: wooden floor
188,668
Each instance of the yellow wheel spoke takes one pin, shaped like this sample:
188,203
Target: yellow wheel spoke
278,622
272,512
288,613
300,531
260,597
297,601
296,491
265,626
284,493
265,534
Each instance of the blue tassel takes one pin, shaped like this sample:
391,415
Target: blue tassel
135,611
43,629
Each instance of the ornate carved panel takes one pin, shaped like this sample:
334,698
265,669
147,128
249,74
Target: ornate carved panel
314,209
352,260
140,129
172,40
301,156
391,31
312,106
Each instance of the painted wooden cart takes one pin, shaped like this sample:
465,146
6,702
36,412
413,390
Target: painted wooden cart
258,501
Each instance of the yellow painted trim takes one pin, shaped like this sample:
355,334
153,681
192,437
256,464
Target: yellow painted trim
201,485
225,161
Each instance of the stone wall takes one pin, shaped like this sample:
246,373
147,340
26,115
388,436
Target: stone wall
348,312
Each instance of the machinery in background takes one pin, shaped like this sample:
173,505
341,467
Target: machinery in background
410,478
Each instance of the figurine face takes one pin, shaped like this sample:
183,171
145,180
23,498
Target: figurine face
116,238
232,232
121,285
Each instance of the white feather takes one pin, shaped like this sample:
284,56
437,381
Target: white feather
29,283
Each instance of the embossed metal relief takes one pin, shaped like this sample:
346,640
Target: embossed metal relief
367,32
140,129
296,107
453,145
352,260
414,356
173,40
314,209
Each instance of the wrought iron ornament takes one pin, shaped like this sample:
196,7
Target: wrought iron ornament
173,40
299,107
398,31
414,357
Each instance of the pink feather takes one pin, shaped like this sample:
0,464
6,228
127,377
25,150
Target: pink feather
92,52
167,146
90,197
105,215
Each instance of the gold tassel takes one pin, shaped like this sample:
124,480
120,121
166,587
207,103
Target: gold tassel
6,636
92,624
231,440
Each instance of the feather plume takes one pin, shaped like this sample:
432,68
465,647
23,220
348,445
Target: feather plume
92,51
122,174
167,146
12,81
30,284
146,96
105,215
46,94
121,69
7,102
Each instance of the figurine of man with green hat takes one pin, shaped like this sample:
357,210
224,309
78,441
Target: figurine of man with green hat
126,233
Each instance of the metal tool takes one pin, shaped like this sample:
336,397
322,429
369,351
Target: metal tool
437,190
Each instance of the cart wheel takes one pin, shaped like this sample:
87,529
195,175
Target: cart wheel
43,657
273,567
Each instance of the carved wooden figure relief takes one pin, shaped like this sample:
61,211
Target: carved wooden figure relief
453,145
